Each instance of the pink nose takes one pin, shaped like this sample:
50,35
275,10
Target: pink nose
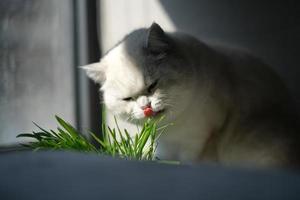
148,112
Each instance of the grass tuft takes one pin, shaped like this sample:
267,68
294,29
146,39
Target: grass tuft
114,142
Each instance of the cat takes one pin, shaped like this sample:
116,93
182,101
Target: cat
227,106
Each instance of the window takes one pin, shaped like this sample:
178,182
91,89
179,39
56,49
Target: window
42,44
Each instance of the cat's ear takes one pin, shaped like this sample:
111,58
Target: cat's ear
95,71
157,41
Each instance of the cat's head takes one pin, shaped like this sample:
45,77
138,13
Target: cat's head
142,75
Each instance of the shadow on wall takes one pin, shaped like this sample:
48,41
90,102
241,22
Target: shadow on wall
268,29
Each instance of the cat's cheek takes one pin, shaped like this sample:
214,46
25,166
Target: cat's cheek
157,104
115,106
129,107
138,113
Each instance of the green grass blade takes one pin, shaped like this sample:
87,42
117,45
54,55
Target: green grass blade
114,141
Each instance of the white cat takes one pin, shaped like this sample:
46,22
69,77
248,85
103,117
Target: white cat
226,105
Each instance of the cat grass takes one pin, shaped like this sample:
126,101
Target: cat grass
114,141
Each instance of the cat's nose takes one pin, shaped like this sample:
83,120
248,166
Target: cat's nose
143,102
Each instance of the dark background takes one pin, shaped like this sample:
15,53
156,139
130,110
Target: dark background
269,29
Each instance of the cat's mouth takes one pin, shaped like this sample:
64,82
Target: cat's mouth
158,113
149,112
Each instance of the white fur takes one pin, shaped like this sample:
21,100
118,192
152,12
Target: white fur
123,79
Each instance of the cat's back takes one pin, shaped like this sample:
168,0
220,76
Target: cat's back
261,108
254,83
251,83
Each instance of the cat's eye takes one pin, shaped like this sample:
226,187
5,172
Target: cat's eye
128,99
152,87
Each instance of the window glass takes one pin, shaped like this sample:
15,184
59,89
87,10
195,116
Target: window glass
36,65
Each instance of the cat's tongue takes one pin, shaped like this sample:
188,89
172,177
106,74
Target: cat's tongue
148,112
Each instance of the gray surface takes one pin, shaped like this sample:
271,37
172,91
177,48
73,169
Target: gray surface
269,29
36,65
62,175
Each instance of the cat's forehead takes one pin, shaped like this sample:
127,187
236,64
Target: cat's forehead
125,77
